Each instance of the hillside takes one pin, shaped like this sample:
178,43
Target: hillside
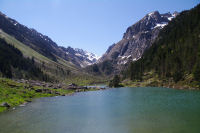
137,38
37,41
174,58
53,69
57,63
14,65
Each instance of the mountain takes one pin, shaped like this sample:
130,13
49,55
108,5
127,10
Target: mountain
30,37
174,57
41,43
80,57
138,38
55,62
13,64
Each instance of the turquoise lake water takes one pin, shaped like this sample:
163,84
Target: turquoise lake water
118,110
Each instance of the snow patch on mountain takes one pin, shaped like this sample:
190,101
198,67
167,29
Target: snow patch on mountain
161,25
137,38
170,18
90,56
81,57
151,14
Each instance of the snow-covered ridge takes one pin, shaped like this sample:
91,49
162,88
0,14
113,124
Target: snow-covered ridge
82,57
90,56
132,44
169,17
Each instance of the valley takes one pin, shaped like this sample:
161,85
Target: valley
128,58
148,81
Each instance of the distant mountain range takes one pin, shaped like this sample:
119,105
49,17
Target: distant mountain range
43,44
80,57
50,60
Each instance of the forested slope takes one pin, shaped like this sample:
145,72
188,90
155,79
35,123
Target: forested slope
14,65
175,54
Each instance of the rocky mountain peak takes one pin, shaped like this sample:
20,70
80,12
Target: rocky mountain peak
153,15
80,57
2,14
138,38
146,24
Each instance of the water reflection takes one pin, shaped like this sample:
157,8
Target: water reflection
120,110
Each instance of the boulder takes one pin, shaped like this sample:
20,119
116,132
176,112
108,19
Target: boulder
5,104
72,85
38,90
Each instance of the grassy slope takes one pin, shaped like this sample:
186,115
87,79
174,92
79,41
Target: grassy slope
18,93
28,52
15,93
84,80
51,68
151,79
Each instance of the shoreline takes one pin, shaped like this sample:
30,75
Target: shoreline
182,85
37,89
177,87
21,92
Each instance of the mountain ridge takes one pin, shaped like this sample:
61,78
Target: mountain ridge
173,60
37,41
137,38
131,46
82,57
48,57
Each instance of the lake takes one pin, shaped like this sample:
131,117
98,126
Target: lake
117,110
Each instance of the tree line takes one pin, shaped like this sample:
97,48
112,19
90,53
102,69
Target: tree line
14,65
175,53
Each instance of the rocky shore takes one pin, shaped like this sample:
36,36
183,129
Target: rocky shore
26,90
72,86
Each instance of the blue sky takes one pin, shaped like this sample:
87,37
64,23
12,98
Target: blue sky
92,25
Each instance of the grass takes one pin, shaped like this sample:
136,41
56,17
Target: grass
51,67
84,80
15,93
151,79
56,70
27,51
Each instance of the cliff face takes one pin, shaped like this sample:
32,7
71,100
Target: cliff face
137,38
